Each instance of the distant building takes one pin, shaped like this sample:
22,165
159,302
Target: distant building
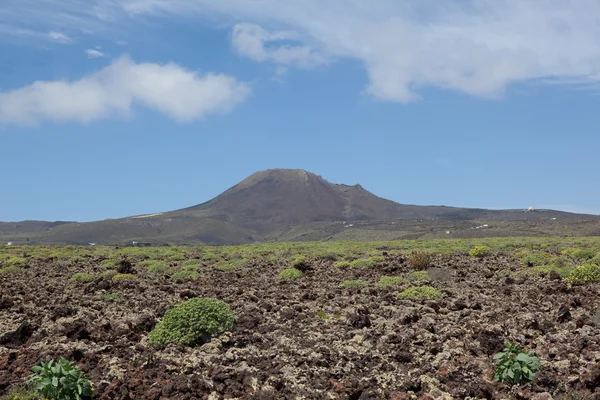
9,244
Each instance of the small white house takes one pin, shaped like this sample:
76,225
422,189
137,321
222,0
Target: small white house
9,244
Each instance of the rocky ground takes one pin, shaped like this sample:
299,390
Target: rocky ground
308,338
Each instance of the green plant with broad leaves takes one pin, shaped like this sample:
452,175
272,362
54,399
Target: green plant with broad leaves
60,380
515,366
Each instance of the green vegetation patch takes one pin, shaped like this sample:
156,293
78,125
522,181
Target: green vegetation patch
193,322
480,251
109,274
12,261
387,281
186,275
156,267
22,394
585,273
418,276
515,366
83,277
112,297
584,254
123,277
538,258
354,283
342,264
420,292
11,269
290,273
363,263
60,380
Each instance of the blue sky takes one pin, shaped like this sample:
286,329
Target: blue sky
111,108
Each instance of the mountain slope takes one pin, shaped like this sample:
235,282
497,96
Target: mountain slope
271,204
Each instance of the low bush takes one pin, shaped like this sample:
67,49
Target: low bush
362,263
387,281
342,264
290,273
21,394
538,258
83,277
11,269
480,251
156,267
61,380
123,277
420,292
515,366
419,259
354,283
109,274
186,275
13,262
193,322
418,276
585,273
584,254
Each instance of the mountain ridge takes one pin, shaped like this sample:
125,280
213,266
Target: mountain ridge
268,202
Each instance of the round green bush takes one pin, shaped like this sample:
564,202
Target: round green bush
585,273
480,251
355,283
290,273
83,277
186,275
386,281
420,292
193,322
123,277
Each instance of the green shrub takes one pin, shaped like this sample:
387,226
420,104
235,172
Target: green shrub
186,275
596,259
191,265
355,283
342,264
515,366
109,274
322,314
21,394
60,380
585,273
480,251
538,258
12,261
11,269
111,263
387,281
420,292
156,267
362,263
83,277
193,322
419,259
418,276
290,273
123,277
546,269
112,297
583,254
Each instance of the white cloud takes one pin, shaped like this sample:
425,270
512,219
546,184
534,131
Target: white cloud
59,37
93,53
116,89
251,40
477,47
